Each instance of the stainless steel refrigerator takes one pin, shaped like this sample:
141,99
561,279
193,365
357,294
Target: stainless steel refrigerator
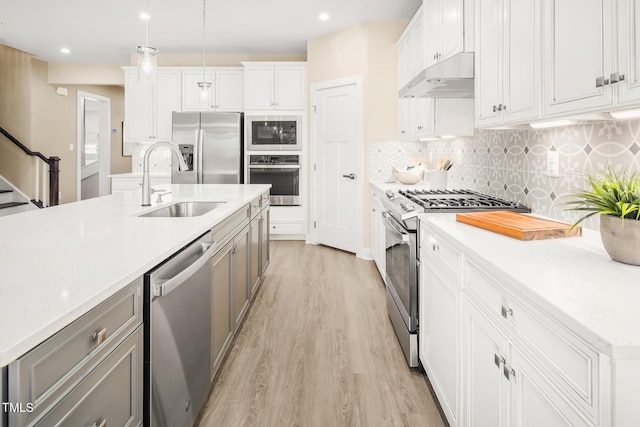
212,145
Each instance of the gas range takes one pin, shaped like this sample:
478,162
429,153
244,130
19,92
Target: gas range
406,204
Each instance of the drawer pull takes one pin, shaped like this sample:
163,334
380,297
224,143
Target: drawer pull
99,337
102,424
498,360
508,372
506,311
435,247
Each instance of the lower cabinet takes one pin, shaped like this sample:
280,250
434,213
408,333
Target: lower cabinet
439,338
241,255
378,233
265,254
221,321
503,386
494,358
256,273
111,395
89,372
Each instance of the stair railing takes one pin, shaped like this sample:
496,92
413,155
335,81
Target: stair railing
50,182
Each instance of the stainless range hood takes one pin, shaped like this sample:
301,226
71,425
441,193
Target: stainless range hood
451,78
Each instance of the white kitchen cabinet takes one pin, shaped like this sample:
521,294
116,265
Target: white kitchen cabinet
378,248
439,311
434,117
493,358
129,182
439,337
225,94
507,89
148,108
274,86
628,53
503,386
445,24
578,56
411,49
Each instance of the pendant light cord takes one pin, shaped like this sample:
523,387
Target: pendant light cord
148,19
204,50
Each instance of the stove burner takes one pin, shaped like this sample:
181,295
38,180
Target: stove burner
458,199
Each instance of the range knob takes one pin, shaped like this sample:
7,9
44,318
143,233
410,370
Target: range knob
409,207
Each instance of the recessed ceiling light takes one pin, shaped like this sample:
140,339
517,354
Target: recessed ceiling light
324,16
145,16
65,50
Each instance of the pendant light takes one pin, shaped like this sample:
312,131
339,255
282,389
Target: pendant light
204,85
147,58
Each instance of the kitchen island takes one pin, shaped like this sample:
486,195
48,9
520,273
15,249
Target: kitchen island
58,263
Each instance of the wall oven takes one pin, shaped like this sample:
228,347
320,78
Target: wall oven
272,133
282,172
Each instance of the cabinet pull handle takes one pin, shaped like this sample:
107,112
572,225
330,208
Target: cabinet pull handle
495,108
99,336
508,372
234,250
102,424
615,77
506,311
601,81
435,247
498,360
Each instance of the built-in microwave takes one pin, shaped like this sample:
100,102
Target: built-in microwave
271,133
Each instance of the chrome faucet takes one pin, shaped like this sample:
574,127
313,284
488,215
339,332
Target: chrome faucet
146,184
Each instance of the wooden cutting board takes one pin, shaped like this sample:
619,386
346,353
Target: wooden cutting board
519,226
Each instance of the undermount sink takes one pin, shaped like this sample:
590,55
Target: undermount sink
183,209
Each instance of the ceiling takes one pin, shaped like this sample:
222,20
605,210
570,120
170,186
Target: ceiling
108,31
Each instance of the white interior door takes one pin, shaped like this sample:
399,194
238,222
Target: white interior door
338,162
93,145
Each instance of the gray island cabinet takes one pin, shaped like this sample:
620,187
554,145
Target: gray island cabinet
73,351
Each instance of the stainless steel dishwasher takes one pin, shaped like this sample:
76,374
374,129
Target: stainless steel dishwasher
178,335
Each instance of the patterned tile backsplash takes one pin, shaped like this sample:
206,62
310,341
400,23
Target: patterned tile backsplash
159,160
512,163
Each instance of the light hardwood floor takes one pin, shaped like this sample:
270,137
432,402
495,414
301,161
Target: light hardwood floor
317,349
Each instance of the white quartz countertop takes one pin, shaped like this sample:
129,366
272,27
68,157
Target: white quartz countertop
572,279
58,263
395,186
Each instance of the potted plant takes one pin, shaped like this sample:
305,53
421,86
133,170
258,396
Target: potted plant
616,197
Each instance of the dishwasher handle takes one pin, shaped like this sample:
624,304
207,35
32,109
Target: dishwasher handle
164,287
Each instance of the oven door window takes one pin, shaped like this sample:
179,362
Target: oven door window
274,133
284,181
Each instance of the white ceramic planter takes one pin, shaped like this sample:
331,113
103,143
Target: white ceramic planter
621,240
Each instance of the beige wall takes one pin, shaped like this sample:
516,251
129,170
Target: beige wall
15,115
367,50
31,111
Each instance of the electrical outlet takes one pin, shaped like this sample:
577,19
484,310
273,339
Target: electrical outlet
70,147
552,164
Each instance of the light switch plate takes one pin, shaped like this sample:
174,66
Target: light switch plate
552,164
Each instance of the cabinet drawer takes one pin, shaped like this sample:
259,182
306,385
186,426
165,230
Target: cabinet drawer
568,362
287,227
265,199
110,395
224,231
255,206
49,370
439,254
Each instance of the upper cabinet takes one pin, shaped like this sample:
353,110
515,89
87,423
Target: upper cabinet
628,70
434,117
411,49
578,55
225,94
507,61
274,86
445,35
148,108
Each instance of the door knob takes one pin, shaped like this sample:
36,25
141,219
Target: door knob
351,176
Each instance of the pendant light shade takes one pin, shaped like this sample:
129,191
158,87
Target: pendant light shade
147,57
204,85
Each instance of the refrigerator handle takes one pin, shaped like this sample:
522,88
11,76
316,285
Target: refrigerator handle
196,155
200,178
